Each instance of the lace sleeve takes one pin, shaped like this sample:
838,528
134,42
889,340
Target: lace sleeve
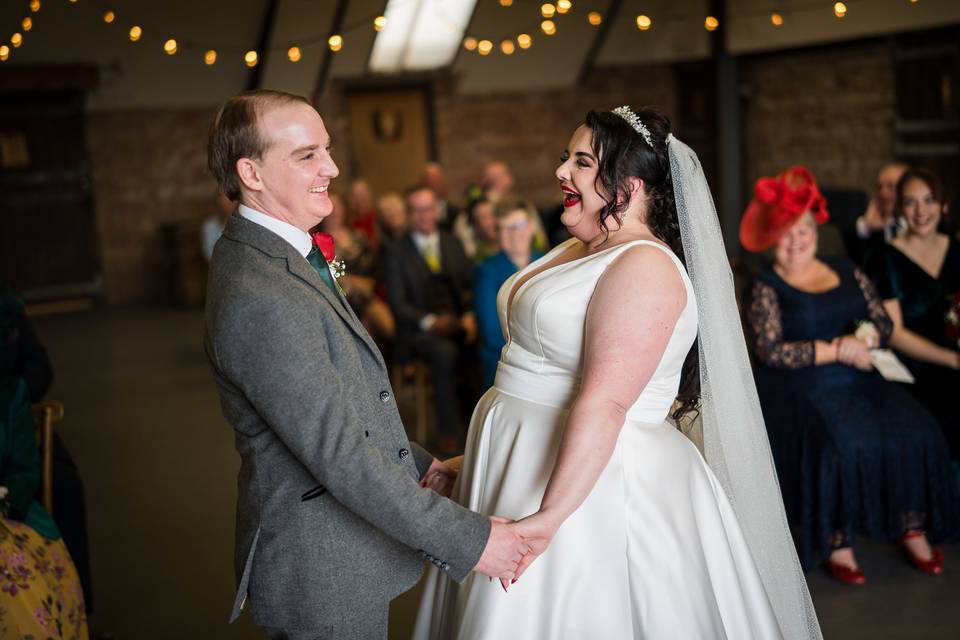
878,315
766,328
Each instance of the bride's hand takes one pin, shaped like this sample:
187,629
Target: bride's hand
537,531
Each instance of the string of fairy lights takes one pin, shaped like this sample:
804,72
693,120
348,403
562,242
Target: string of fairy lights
549,15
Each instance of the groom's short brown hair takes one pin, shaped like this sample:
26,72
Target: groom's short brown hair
234,134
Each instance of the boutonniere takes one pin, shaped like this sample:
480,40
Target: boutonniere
324,243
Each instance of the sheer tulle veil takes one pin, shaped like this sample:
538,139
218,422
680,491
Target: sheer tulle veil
734,435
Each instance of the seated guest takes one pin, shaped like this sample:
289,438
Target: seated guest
855,454
391,218
515,228
497,180
877,226
428,280
363,213
359,283
22,355
41,596
434,178
918,277
213,225
486,241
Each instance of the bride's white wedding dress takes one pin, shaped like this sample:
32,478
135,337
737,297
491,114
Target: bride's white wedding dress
654,551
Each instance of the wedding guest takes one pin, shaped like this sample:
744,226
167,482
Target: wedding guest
41,596
429,288
497,180
359,281
877,226
363,213
918,277
434,178
23,355
855,453
214,224
391,218
514,219
486,240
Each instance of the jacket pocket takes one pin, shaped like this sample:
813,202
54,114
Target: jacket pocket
316,492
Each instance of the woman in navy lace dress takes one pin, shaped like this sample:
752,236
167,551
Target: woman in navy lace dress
856,454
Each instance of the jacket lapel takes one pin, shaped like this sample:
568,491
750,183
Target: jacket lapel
247,232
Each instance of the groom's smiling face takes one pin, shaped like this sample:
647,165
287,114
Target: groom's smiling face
291,179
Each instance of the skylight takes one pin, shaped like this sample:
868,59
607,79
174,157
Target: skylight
420,34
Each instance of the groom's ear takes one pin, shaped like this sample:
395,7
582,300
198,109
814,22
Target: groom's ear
249,173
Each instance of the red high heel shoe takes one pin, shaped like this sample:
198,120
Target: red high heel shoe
845,574
933,566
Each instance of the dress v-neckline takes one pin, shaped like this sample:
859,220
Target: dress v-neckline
916,265
516,289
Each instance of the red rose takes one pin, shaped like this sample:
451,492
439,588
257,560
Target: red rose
324,242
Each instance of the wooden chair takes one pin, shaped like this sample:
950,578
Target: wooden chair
45,415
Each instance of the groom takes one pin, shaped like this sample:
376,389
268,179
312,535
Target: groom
331,521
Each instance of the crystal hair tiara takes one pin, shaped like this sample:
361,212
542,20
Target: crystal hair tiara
634,121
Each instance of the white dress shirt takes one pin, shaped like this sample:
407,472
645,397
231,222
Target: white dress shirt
427,240
298,238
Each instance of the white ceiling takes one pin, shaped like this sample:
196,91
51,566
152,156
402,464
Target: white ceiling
142,75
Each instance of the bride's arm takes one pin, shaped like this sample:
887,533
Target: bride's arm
629,322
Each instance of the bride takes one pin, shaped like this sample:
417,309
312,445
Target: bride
632,534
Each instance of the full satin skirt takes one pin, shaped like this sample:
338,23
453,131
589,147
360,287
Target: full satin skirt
654,551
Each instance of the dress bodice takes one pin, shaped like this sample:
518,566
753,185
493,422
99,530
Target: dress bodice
924,300
544,330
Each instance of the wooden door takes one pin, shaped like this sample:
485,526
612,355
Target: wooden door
390,136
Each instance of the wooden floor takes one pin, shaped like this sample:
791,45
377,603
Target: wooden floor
144,425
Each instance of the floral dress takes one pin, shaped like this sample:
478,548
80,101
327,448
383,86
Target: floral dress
40,593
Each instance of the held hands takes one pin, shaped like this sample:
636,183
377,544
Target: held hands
853,352
441,476
534,533
504,551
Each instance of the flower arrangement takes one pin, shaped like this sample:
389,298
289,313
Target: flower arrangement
867,332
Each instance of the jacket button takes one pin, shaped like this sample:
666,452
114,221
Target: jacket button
404,453
384,396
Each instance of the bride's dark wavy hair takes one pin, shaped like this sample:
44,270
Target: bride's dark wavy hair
622,153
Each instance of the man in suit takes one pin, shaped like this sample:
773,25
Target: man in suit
877,226
429,282
434,178
332,522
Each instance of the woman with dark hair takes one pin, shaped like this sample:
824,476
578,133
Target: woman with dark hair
918,277
855,453
632,535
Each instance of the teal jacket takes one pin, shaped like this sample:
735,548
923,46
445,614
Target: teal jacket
19,459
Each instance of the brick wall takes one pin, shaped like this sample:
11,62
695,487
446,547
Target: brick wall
831,109
530,130
148,170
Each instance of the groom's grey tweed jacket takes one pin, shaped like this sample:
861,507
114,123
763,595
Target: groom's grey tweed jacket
330,520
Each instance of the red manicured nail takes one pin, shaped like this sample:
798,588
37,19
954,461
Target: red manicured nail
513,580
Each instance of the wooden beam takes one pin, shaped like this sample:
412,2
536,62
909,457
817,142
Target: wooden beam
335,27
613,10
263,44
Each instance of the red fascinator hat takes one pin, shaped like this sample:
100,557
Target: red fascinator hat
777,205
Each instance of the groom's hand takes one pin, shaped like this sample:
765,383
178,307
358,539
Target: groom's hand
504,550
439,477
